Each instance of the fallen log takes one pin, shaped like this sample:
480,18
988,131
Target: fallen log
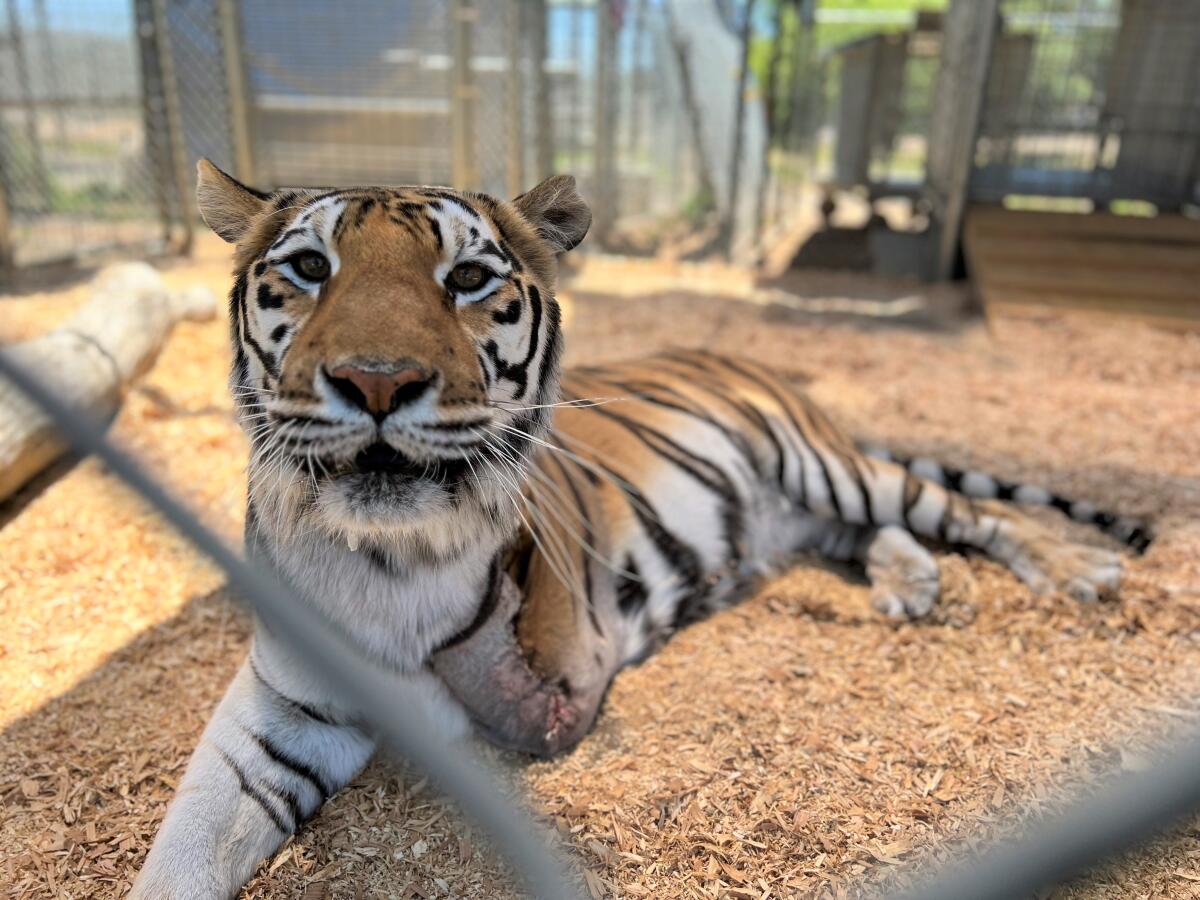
91,360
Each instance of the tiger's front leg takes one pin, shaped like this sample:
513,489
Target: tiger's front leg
271,755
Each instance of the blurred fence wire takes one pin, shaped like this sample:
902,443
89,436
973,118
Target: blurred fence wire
400,722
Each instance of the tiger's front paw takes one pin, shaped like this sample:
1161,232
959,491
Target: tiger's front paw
904,576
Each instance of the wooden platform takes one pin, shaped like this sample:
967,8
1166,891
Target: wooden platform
1146,268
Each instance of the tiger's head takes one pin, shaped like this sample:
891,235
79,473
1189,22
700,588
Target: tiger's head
395,349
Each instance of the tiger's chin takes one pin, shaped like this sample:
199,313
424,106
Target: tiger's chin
377,504
382,496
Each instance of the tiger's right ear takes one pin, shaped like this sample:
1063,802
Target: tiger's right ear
227,206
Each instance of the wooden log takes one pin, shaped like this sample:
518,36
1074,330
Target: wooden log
90,361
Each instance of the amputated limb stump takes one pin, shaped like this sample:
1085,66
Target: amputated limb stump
91,360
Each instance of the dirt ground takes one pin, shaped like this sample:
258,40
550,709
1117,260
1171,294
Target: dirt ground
796,745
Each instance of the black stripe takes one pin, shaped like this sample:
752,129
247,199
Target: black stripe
714,479
589,537
552,349
379,559
801,433
282,239
296,705
518,373
678,555
687,407
952,478
756,418
510,315
631,591
247,337
297,767
487,605
253,793
911,496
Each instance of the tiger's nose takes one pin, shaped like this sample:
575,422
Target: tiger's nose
380,391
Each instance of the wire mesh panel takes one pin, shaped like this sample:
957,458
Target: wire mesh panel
85,163
1093,99
1041,129
198,44
348,93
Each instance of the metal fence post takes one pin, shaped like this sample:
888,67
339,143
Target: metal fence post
514,28
464,96
604,130
8,256
967,39
238,88
771,118
176,147
543,122
735,160
16,38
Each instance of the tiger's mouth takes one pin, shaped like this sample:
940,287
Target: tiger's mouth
384,461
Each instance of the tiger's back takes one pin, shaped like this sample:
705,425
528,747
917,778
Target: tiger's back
669,485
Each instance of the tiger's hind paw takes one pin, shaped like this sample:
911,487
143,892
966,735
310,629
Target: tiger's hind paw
1088,574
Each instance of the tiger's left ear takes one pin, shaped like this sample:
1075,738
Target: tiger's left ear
557,211
227,206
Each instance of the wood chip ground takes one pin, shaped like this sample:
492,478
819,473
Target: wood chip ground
793,746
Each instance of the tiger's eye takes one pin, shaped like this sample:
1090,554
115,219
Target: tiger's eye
467,276
311,265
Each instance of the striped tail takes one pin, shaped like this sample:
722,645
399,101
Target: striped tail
973,483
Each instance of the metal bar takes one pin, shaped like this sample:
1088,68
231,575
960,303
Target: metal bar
575,121
25,84
968,36
543,120
51,67
176,147
8,255
604,127
771,119
1129,811
735,161
465,173
238,89
514,27
152,112
285,613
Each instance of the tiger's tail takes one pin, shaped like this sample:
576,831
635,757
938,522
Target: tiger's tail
1132,532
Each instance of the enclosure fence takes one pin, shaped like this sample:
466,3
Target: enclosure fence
701,126
90,151
1118,817
676,116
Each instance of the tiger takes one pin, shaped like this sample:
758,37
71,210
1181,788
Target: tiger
500,537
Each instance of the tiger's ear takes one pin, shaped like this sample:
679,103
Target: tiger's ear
557,211
227,206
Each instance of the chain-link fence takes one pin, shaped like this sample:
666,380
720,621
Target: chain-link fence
87,160
657,106
1093,99
707,125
